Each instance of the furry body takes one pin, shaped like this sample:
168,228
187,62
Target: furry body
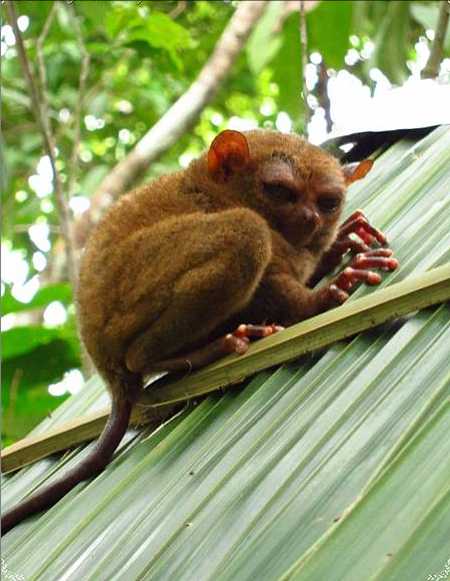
236,237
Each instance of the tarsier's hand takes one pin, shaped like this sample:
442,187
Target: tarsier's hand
365,259
358,224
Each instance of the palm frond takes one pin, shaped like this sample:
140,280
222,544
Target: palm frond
335,465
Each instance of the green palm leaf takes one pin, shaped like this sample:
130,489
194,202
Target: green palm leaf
333,466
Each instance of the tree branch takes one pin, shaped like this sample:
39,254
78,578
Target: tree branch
179,9
181,116
41,64
431,71
40,111
84,72
322,94
304,46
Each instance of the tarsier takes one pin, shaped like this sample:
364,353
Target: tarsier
176,268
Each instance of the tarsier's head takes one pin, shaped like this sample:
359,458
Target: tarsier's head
298,187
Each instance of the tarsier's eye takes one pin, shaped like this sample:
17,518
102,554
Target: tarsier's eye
328,204
279,193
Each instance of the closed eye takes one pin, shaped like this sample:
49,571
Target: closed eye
279,192
328,204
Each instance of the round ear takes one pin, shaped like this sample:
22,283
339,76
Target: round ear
228,153
357,171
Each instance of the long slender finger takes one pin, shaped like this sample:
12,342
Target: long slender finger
365,236
353,216
362,228
277,328
341,246
381,262
337,295
378,252
255,331
349,276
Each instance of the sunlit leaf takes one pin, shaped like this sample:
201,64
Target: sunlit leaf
44,296
391,42
264,41
287,67
329,30
94,11
25,380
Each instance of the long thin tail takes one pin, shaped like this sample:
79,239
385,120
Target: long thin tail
99,457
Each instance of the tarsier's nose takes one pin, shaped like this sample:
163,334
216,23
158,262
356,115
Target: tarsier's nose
311,218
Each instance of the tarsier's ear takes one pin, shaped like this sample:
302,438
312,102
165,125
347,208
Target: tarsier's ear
227,154
357,171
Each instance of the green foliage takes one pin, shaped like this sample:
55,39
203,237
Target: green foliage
44,296
20,340
33,356
263,44
391,44
288,70
329,28
25,380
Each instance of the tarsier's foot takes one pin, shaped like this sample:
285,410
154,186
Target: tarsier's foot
236,342
358,270
248,332
239,339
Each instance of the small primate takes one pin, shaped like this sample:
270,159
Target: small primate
176,268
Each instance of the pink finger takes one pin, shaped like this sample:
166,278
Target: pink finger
377,234
337,294
256,331
379,252
276,328
365,236
350,276
353,216
375,262
362,227
341,246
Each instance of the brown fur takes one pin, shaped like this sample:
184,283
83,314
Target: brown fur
174,260
185,258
